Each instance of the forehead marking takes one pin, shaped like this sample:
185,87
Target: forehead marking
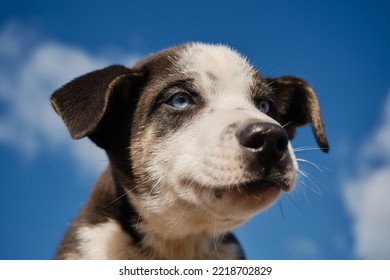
211,77
217,66
212,81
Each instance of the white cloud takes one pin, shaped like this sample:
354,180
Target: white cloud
367,194
303,248
31,70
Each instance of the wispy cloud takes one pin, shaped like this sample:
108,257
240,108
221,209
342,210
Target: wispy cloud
367,194
32,68
303,248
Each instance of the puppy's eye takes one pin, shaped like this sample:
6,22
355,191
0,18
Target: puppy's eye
264,106
180,100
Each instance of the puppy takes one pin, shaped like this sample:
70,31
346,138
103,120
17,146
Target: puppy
198,143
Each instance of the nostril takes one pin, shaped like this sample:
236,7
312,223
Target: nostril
266,139
282,143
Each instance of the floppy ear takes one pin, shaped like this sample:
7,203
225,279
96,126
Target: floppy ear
298,105
83,102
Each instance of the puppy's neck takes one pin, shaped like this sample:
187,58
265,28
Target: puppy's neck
156,239
190,247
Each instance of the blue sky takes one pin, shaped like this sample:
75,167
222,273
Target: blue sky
339,211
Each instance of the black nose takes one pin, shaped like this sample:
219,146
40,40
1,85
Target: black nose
266,139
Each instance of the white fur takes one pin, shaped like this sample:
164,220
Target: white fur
232,70
104,241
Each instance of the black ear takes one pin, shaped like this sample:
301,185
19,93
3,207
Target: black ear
298,105
83,102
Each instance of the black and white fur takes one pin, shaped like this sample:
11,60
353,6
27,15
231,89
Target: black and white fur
198,143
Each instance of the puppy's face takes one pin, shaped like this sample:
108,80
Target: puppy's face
210,137
207,139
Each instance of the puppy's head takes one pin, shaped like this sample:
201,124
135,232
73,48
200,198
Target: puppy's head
203,138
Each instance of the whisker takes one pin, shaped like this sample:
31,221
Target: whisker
156,184
286,124
281,209
303,173
314,183
297,205
217,243
310,185
125,194
138,221
303,182
301,149
116,199
319,167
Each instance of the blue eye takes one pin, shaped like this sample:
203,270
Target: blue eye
180,101
263,106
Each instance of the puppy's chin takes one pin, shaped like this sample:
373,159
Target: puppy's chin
230,206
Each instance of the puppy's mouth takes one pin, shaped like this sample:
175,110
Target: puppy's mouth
254,188
260,186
